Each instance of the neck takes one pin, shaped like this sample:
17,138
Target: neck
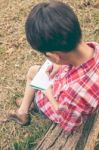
81,54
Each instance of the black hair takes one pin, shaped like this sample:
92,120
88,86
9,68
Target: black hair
53,26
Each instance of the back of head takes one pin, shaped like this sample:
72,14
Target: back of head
53,26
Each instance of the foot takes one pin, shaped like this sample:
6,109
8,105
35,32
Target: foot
22,119
18,102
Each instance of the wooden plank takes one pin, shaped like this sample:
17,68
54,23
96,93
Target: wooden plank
90,144
83,139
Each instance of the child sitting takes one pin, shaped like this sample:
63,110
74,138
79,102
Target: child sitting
53,29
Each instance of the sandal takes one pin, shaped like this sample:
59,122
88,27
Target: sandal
22,119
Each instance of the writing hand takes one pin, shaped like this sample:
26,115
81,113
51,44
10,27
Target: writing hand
52,70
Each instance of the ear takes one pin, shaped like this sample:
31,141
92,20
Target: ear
55,57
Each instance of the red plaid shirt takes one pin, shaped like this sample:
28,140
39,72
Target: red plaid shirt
76,89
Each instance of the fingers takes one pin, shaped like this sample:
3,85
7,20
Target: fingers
52,74
52,70
49,70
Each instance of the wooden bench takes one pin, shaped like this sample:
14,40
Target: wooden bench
83,139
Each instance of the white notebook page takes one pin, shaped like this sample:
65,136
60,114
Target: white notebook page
41,80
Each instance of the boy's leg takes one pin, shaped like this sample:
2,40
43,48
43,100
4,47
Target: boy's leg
29,91
21,116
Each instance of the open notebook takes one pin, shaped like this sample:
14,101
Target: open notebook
41,80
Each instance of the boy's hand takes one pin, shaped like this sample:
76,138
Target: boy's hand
52,70
49,94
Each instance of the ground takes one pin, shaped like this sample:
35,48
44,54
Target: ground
16,57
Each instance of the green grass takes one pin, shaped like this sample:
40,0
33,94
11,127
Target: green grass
30,142
2,50
97,143
97,146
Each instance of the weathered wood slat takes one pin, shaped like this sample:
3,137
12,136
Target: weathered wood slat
83,139
93,134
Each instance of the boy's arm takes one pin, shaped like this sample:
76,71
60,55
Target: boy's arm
49,94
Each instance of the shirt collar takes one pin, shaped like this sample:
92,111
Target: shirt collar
92,61
70,70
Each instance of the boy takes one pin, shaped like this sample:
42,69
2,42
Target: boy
52,28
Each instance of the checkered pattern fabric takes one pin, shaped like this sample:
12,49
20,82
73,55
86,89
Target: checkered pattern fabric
76,89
